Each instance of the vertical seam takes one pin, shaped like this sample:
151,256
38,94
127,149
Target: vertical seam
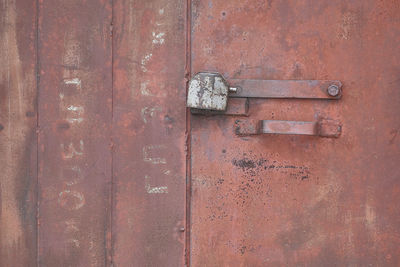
188,70
37,73
111,252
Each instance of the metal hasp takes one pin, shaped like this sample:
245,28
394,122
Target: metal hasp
209,91
208,95
322,128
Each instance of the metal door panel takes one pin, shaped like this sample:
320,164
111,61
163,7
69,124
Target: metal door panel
75,112
149,133
275,200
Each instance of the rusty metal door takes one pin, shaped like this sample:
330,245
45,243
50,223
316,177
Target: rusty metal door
102,164
296,200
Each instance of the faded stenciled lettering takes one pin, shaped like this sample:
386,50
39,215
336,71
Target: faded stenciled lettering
147,154
158,35
149,112
70,150
147,151
72,175
154,189
71,226
145,60
71,200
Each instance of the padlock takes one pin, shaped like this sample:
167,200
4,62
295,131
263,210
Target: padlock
208,91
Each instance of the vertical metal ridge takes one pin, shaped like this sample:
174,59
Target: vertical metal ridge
37,72
110,250
188,71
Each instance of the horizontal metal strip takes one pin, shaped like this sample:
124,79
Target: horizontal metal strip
308,89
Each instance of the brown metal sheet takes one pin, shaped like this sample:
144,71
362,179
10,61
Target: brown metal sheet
18,150
280,200
308,89
149,133
75,108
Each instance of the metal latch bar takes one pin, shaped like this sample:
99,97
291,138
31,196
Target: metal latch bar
305,89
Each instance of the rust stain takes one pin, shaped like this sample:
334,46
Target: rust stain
348,25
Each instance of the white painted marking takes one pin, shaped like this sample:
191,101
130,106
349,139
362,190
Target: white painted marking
71,226
69,151
74,241
77,175
73,120
149,112
158,38
161,11
71,200
145,60
143,89
78,109
74,81
152,160
154,189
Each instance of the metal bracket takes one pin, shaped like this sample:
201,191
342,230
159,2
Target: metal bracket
208,95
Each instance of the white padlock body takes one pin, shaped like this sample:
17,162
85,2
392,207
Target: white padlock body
208,91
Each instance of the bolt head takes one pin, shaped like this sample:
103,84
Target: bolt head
333,90
233,89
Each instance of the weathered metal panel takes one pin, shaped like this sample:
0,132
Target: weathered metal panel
149,133
75,111
299,200
18,161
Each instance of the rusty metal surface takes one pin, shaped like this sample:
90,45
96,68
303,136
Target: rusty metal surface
311,89
299,200
256,201
75,108
149,133
18,147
